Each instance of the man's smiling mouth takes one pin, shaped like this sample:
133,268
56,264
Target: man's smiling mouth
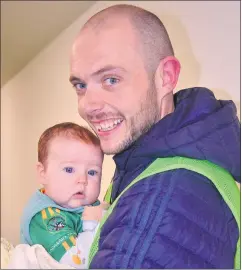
107,125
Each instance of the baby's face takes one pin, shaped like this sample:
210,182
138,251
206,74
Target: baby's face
72,175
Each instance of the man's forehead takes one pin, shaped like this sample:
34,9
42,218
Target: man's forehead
108,48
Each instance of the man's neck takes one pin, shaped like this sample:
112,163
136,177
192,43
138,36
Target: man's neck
167,105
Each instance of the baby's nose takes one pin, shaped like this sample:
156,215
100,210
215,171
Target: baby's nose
82,180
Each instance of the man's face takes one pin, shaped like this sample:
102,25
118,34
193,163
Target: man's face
115,95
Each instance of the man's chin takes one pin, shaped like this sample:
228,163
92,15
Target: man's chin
113,149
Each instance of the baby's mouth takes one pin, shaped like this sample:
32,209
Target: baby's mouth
79,195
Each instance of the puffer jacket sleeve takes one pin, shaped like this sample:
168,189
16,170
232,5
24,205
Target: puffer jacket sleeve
175,219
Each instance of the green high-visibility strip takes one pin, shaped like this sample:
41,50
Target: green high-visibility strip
222,180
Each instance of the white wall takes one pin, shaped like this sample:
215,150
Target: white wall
205,36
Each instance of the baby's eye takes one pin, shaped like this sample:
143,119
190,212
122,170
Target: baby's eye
69,169
92,172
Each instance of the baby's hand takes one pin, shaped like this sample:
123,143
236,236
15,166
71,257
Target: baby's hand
94,212
104,205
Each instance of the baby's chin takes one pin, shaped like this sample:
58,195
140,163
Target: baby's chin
77,203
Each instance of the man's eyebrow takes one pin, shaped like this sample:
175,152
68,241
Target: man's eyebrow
106,69
74,79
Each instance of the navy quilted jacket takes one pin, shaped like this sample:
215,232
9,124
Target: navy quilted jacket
175,219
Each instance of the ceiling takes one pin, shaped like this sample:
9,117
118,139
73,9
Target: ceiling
28,26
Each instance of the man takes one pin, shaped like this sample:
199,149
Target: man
124,71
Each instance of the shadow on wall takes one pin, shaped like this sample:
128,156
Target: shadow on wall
223,95
190,68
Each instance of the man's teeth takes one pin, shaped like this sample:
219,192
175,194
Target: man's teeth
108,125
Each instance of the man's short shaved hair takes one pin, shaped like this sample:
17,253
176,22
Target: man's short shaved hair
151,33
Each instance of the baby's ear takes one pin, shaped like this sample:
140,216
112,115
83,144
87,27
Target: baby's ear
41,175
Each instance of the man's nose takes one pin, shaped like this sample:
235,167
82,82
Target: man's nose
93,101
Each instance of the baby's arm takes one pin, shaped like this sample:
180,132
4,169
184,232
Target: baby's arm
78,255
56,231
94,213
91,217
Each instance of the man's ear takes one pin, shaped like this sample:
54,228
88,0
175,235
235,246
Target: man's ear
40,170
167,75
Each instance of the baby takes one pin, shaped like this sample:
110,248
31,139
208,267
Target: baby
64,214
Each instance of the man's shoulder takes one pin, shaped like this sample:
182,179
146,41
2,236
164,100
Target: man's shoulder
179,187
182,178
180,194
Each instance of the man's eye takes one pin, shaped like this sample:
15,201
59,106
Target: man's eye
111,81
92,172
69,170
80,86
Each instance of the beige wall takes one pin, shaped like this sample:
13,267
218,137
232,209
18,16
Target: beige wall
206,40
